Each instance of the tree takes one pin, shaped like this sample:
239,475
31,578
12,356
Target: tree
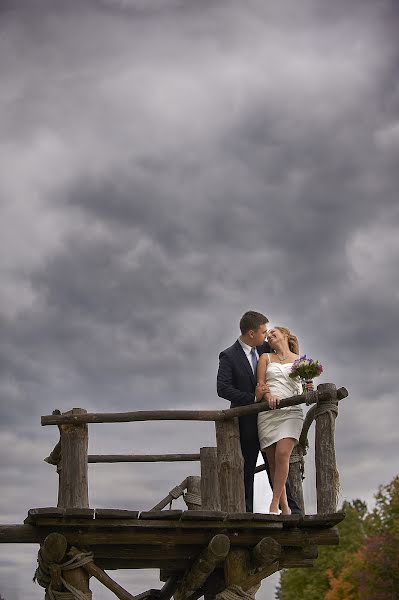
373,572
314,583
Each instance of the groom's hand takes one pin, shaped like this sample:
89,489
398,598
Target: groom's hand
260,391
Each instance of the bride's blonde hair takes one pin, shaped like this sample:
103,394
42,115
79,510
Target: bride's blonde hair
293,344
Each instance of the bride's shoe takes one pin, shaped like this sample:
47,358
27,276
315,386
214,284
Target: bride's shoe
271,512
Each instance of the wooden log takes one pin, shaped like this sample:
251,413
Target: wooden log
214,584
230,466
140,458
195,577
184,415
175,493
237,566
265,553
73,491
256,578
91,536
73,476
94,571
53,551
210,497
167,590
232,492
327,477
193,495
295,476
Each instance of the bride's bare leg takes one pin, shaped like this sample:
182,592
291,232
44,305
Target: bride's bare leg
282,459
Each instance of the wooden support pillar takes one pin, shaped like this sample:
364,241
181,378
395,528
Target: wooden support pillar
53,551
94,571
73,474
327,477
73,490
265,553
210,498
295,476
232,493
193,495
230,466
195,577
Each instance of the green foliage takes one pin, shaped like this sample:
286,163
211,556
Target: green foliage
365,566
384,518
313,584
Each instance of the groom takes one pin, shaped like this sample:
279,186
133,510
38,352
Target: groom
236,382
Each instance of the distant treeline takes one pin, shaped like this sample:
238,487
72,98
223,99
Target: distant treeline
365,565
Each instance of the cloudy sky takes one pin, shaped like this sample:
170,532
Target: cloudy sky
167,165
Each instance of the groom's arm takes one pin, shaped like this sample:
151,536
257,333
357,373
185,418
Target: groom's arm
225,384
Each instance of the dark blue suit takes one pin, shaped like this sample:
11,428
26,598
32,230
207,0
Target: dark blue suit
236,382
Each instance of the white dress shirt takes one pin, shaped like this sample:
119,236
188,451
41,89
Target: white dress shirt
247,349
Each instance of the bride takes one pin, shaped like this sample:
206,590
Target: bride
279,430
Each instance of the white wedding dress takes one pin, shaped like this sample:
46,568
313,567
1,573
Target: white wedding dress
274,425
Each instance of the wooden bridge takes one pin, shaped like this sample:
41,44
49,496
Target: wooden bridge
214,548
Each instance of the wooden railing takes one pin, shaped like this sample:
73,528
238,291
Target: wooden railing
222,483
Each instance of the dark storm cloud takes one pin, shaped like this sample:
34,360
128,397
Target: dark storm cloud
165,167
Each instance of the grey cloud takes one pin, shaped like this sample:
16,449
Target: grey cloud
164,169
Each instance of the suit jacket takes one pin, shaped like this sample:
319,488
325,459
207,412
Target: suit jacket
236,382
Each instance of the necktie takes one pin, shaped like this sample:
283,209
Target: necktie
254,359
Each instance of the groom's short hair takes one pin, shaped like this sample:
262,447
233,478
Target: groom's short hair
252,320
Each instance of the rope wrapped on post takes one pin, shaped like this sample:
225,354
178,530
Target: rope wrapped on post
235,592
327,407
43,576
190,498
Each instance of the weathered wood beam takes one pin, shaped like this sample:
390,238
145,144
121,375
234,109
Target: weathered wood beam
141,458
256,578
175,493
103,578
167,590
266,552
327,477
192,496
75,535
230,466
195,577
185,415
74,491
53,551
210,496
295,476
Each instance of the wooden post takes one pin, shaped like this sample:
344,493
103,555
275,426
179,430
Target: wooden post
327,477
193,495
205,564
295,476
210,498
230,466
73,473
232,493
103,578
266,552
73,492
53,551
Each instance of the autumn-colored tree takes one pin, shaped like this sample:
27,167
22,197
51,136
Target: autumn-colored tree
314,583
365,566
373,572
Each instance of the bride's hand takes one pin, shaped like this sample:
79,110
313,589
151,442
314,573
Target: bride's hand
273,401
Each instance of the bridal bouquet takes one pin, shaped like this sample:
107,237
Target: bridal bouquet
305,368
